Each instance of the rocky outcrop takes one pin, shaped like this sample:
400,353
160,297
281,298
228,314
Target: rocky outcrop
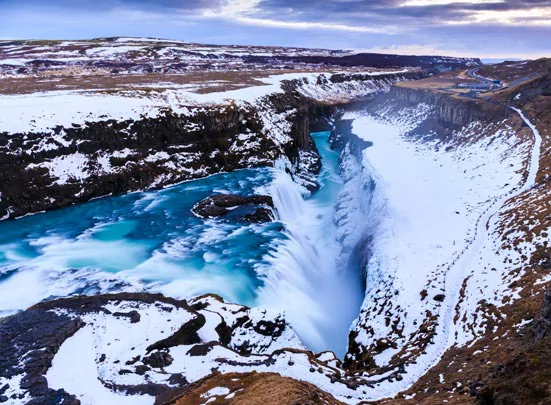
542,325
436,63
28,343
343,137
258,208
130,356
452,112
117,157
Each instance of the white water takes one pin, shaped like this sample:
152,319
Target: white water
150,241
304,276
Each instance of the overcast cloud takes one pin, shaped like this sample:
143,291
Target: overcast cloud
484,28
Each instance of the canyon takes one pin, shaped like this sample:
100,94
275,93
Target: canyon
409,220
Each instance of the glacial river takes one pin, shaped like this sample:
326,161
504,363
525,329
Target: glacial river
150,241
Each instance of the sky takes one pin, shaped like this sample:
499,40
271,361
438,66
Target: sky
478,28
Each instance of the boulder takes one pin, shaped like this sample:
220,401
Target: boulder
257,208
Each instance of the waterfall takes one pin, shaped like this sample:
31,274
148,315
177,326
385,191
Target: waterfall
304,275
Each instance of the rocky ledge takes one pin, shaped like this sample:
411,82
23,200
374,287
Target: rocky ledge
51,166
257,208
148,345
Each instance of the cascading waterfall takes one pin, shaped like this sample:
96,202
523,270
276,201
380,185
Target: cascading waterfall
156,244
304,275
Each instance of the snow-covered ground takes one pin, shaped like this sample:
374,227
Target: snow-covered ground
41,112
46,113
429,210
432,218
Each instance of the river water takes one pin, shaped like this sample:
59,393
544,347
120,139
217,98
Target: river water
150,241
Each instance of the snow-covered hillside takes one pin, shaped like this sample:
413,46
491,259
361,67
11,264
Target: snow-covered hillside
434,226
115,56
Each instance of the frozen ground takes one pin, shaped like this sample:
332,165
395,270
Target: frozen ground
433,216
41,112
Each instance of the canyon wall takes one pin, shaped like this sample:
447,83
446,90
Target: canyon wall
65,165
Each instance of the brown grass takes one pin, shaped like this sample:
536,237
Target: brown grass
254,389
205,82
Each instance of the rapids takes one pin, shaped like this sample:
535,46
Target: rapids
150,241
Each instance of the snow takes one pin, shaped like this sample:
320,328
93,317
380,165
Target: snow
431,233
216,392
13,389
74,369
39,112
67,168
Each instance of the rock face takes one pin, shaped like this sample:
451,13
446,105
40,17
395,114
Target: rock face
148,354
55,166
451,112
542,325
118,157
521,377
27,346
258,208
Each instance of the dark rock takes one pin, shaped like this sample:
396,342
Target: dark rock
439,297
54,398
158,359
258,208
133,361
260,215
178,379
141,369
269,328
201,349
382,344
28,342
32,382
134,315
357,359
224,333
542,325
186,335
473,388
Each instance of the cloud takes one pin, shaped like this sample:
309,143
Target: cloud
453,27
526,17
249,12
309,25
424,3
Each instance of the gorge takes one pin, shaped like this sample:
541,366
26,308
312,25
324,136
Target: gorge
405,226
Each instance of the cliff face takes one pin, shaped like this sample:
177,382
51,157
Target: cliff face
55,167
114,157
450,111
